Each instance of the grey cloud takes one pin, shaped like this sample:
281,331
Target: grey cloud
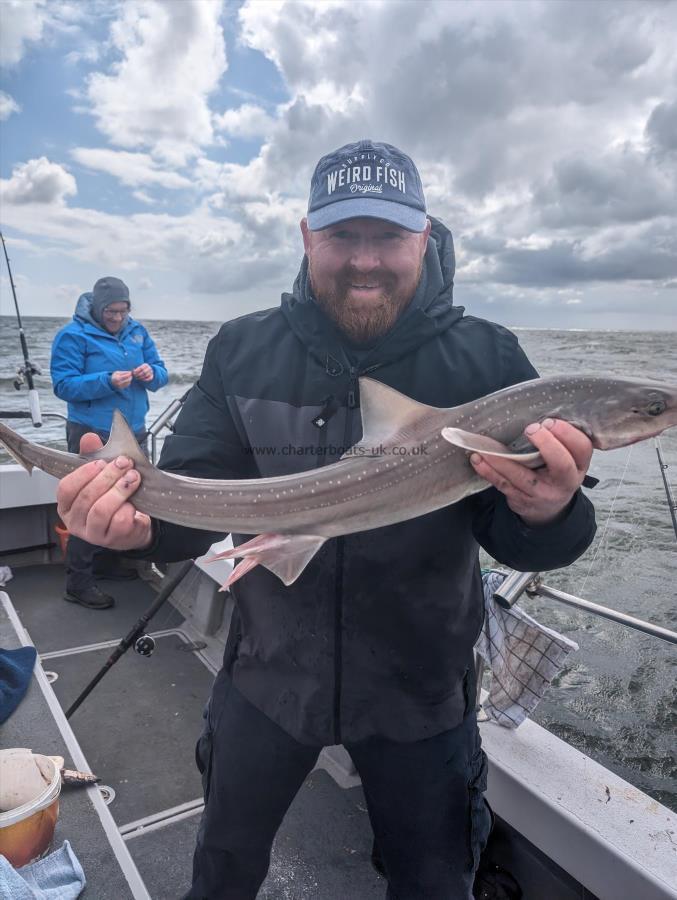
600,306
476,89
651,256
291,155
482,244
625,55
263,247
577,27
235,275
622,187
661,127
517,118
291,51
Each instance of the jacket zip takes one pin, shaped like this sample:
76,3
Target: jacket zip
329,409
340,550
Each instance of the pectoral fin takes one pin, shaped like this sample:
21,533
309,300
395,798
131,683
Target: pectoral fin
481,443
285,555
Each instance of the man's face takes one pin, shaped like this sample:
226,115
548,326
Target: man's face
114,316
364,272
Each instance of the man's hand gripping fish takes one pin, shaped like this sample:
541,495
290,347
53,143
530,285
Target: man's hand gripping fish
411,460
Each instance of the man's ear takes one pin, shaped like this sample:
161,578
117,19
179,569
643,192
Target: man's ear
424,237
306,232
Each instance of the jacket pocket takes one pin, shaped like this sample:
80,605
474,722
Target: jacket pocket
204,750
480,814
205,747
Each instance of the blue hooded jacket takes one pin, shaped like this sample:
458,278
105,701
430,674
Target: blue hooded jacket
85,355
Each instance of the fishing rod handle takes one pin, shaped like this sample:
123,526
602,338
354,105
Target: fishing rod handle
34,404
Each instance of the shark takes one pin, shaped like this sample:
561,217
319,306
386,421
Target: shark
411,460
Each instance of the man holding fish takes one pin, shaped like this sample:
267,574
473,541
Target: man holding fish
366,638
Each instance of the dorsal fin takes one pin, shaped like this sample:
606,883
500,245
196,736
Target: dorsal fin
386,413
120,443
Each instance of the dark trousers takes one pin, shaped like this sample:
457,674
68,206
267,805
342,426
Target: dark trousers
424,799
81,556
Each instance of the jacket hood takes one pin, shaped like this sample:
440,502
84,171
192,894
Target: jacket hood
430,312
83,310
83,313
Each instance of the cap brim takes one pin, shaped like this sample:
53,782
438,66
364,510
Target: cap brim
368,208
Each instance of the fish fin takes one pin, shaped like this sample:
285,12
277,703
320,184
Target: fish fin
9,439
285,555
487,446
386,415
120,443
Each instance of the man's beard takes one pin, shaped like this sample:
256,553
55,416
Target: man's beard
364,323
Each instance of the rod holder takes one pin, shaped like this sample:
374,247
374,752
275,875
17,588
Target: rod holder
512,588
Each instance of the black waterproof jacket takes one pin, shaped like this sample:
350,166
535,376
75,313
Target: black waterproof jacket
376,636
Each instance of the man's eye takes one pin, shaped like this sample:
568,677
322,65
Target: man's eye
341,235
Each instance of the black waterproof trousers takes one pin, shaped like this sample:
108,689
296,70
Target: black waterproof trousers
424,799
80,556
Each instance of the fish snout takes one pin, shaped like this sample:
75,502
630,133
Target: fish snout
646,416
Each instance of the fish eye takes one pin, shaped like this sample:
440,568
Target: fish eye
656,407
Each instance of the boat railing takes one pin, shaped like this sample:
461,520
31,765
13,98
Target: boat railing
164,420
20,414
517,583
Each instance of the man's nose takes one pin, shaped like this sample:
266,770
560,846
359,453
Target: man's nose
365,256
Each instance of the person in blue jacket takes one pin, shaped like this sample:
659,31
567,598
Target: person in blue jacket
102,361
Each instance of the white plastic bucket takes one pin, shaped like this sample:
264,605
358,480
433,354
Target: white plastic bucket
30,784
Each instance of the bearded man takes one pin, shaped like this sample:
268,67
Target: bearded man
372,646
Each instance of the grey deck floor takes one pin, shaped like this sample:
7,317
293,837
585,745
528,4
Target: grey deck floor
138,729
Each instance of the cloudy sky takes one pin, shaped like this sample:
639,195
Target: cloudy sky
171,142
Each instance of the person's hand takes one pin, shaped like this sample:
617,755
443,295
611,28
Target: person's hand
121,379
93,502
143,372
538,496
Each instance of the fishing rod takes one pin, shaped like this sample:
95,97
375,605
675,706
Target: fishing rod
672,505
29,369
143,643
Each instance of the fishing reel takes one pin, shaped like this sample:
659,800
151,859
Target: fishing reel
28,369
144,645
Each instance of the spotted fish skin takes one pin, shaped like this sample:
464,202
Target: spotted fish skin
412,459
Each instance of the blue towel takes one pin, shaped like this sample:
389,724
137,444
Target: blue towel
58,876
16,667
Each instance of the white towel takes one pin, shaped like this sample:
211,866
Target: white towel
58,876
523,655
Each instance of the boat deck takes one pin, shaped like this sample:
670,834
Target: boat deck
567,827
137,730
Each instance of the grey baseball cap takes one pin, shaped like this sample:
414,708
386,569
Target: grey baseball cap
370,179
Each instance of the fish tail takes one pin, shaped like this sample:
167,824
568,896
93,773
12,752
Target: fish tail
12,441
